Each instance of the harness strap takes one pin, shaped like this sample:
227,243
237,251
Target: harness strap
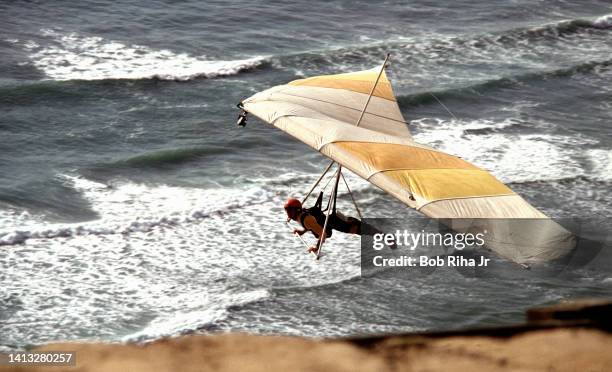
319,217
319,202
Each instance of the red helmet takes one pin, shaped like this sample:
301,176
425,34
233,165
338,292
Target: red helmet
293,204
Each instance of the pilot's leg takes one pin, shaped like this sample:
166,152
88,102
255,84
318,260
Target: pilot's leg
349,225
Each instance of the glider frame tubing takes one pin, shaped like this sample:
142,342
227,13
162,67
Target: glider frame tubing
330,207
365,107
299,236
318,181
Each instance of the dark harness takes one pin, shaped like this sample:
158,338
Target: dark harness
319,215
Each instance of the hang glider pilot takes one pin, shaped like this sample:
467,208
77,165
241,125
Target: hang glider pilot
313,219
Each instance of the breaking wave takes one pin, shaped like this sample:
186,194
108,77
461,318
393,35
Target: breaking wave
211,309
75,57
559,156
504,82
70,56
165,157
427,57
565,27
179,205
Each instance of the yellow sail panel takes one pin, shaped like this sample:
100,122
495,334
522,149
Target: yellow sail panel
437,184
386,156
360,82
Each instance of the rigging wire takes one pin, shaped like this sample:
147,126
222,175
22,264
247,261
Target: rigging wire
443,105
352,198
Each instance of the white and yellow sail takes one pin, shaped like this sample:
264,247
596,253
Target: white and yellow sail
323,111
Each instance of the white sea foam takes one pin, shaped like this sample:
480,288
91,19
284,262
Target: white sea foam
76,57
161,260
148,208
601,160
603,21
512,157
197,310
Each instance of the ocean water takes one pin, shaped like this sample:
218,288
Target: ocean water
132,207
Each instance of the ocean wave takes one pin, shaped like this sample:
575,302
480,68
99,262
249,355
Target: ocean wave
504,152
601,164
566,27
311,285
161,158
503,82
165,157
188,208
76,57
603,21
70,56
211,309
429,58
561,181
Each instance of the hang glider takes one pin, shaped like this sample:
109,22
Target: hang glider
354,119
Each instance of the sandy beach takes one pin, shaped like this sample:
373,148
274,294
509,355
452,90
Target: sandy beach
562,349
571,336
